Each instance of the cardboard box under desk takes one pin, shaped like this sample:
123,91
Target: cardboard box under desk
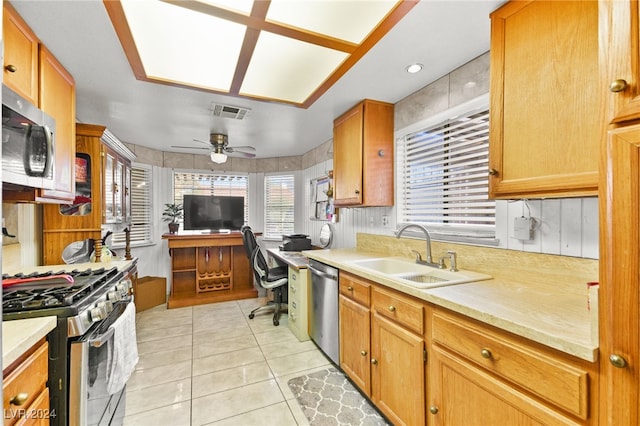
150,292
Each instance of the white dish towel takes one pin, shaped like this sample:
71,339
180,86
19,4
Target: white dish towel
122,350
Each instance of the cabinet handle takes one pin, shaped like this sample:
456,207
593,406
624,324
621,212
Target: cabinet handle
357,191
433,409
293,316
20,398
493,172
374,361
293,289
115,188
220,255
486,353
392,308
349,288
617,361
618,85
363,353
11,68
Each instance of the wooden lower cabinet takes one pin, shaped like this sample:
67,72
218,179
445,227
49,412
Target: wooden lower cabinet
355,343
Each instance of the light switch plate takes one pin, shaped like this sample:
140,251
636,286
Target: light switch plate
523,228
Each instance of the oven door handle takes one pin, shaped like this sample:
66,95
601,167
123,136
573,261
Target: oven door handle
102,339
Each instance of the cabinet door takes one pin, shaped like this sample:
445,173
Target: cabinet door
347,157
619,23
546,99
20,55
118,190
109,207
462,394
619,311
397,372
126,193
355,329
57,98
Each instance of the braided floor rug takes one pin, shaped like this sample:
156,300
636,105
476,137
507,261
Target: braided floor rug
327,398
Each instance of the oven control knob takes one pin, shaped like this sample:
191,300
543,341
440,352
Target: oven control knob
123,288
106,306
96,314
113,296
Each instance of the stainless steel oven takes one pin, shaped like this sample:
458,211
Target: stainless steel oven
90,402
86,303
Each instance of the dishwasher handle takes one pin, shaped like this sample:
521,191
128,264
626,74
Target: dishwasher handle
322,273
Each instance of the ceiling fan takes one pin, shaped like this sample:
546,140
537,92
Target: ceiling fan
219,147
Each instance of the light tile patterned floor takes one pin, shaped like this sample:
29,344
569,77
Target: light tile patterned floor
212,365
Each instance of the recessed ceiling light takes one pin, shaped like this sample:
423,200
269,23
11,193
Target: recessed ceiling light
414,68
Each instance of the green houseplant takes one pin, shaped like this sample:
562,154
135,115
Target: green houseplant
173,212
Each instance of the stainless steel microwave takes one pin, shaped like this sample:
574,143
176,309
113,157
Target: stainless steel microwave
28,143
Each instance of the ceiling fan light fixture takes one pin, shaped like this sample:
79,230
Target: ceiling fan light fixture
218,157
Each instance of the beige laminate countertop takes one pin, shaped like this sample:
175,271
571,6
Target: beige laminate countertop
542,313
20,335
294,259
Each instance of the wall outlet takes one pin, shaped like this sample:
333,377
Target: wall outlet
523,228
385,221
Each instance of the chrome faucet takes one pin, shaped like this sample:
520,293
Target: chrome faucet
429,260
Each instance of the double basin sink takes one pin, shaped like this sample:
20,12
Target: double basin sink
415,274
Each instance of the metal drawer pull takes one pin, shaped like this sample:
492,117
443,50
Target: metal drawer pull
363,353
433,409
392,308
11,68
617,361
349,288
486,353
374,361
20,398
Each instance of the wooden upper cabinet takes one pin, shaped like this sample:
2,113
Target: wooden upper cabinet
619,21
20,55
58,99
363,155
546,100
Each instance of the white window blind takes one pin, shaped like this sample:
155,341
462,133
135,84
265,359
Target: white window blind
443,175
210,184
279,194
141,211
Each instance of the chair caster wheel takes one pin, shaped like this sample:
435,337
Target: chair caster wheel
251,316
276,323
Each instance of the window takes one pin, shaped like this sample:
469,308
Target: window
210,184
443,176
279,193
141,211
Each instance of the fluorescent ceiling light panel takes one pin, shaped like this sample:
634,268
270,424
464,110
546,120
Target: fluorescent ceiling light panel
288,69
178,45
346,20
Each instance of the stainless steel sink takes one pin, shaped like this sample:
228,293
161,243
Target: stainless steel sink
417,275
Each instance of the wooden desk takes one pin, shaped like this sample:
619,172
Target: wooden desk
208,268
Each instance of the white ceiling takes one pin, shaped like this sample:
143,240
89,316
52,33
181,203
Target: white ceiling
442,35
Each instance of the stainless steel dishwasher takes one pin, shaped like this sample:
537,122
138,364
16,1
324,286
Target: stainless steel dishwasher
323,315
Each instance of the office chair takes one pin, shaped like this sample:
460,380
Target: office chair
274,279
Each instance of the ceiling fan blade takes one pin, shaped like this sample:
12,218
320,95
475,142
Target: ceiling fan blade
206,143
189,147
249,147
232,150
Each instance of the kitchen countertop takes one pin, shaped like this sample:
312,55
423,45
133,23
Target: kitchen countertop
120,264
20,335
294,259
542,312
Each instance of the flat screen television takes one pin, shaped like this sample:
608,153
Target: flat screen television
213,212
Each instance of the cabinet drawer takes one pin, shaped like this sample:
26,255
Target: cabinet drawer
29,379
551,378
355,288
402,309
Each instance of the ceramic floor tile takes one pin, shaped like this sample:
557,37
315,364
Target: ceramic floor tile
224,345
158,323
149,377
152,397
153,346
285,348
147,335
298,362
222,405
215,335
164,357
230,378
218,362
275,334
175,415
276,414
224,323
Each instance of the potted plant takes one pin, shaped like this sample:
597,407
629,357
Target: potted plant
172,212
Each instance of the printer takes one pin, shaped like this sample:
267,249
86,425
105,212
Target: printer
295,242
